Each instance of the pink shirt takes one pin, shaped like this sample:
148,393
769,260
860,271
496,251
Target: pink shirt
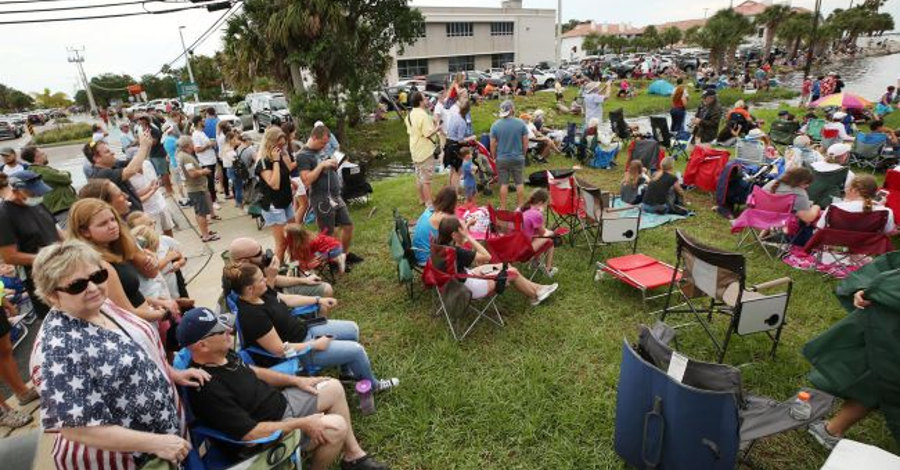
533,220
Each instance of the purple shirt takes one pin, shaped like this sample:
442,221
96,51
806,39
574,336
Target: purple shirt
532,221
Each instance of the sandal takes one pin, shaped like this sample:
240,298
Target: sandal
211,238
216,217
14,419
30,396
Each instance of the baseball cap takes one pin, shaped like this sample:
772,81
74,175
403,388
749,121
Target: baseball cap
7,151
29,181
839,115
318,123
506,108
839,149
196,324
755,133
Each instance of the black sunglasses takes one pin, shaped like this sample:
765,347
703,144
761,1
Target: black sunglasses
76,287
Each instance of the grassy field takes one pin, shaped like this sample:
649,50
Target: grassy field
79,132
389,137
541,392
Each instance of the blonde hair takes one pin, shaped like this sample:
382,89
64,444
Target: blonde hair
146,237
58,260
132,219
665,166
269,139
867,188
633,173
80,215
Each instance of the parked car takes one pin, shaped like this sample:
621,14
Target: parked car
242,111
269,110
8,130
223,111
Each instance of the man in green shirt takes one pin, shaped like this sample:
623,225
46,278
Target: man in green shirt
62,194
195,185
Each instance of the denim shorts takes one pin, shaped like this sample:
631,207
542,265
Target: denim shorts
276,216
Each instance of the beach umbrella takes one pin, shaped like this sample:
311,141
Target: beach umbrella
842,100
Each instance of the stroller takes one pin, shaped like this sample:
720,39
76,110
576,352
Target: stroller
487,175
704,167
733,188
354,187
570,141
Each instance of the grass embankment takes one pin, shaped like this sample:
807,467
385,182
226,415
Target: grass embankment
73,133
389,137
541,392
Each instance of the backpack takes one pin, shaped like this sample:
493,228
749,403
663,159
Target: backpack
240,168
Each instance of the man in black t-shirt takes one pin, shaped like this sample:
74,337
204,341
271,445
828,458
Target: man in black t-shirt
323,186
105,166
26,227
247,402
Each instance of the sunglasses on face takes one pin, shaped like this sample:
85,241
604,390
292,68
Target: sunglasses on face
217,333
80,285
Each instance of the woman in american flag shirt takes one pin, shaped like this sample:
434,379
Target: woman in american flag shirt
105,386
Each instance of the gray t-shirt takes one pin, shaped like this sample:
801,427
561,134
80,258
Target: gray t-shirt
801,202
328,183
509,132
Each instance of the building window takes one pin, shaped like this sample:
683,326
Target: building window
461,63
499,60
411,68
459,29
502,28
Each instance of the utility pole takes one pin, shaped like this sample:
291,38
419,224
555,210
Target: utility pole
813,38
705,11
76,58
187,59
558,32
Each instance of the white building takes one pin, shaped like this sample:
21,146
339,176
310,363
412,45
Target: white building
459,39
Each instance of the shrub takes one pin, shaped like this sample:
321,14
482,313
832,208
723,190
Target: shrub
69,132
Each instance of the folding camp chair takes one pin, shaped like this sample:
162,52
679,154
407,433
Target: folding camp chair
704,166
570,142
783,132
765,219
605,225
826,186
648,151
619,126
640,272
508,244
565,208
750,152
403,253
814,129
208,453
699,419
721,276
660,127
868,150
892,188
830,137
849,237
454,298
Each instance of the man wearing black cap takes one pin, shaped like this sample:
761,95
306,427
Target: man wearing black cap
27,226
248,402
706,122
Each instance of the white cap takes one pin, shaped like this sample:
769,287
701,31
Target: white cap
318,123
839,115
756,133
838,149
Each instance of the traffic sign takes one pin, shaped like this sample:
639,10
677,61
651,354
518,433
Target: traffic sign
188,88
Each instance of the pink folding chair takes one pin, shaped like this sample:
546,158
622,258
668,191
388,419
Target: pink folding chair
765,218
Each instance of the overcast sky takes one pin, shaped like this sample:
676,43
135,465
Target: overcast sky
34,56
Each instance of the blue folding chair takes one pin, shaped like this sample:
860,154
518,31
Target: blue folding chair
868,150
204,438
295,364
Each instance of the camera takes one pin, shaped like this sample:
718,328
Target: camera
267,257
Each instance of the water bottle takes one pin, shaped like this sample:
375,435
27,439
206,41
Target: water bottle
801,409
366,398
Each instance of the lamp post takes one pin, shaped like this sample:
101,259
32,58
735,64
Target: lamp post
187,60
558,32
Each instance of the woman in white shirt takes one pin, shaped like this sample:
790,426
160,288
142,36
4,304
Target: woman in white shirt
859,197
223,128
153,199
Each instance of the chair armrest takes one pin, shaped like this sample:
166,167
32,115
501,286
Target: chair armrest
262,352
305,310
219,436
770,284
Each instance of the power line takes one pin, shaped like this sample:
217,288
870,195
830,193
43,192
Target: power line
19,2
78,7
117,15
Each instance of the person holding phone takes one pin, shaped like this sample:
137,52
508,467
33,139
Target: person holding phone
274,171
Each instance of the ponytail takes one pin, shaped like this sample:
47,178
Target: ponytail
867,187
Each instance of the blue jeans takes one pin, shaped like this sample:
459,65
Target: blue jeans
344,350
238,185
677,120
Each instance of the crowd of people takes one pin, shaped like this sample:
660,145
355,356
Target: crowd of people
102,268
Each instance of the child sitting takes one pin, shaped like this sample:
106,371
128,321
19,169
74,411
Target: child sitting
148,240
468,173
168,252
14,292
625,90
664,194
310,251
634,183
533,227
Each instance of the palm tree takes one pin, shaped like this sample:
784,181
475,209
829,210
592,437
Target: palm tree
794,30
591,43
771,19
670,36
722,34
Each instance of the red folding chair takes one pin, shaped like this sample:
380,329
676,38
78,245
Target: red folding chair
507,243
765,219
454,298
892,187
850,237
704,166
640,272
565,207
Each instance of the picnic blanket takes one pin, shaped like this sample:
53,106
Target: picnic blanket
648,220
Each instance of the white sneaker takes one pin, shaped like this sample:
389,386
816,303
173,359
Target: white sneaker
552,272
384,384
545,292
216,206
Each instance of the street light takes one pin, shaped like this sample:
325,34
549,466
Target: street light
187,60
